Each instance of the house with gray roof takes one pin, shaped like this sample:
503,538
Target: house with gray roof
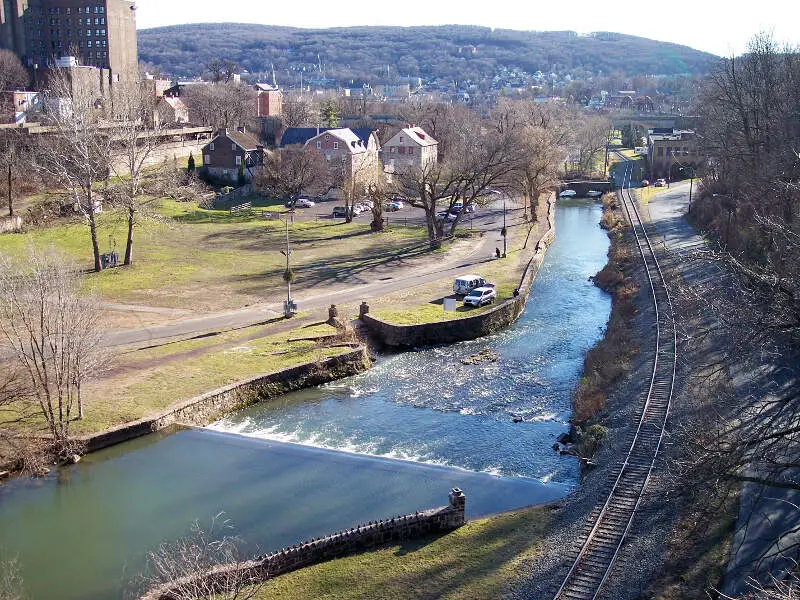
231,152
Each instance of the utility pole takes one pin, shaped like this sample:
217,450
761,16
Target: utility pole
289,307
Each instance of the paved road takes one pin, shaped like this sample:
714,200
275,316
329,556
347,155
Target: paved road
763,510
378,281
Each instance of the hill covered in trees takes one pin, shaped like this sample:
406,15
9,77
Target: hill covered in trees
444,53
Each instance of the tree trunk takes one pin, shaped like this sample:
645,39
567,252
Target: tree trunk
129,245
80,403
93,230
10,198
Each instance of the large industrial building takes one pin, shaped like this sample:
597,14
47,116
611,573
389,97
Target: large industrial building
98,33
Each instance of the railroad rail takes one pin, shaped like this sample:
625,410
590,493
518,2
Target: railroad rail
609,526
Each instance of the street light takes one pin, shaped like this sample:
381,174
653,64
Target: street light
691,183
289,307
504,231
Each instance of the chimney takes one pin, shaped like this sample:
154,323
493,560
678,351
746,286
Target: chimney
241,129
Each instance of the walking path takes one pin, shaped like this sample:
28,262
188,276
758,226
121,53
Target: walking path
371,283
764,511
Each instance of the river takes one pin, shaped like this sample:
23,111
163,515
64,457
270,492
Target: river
387,442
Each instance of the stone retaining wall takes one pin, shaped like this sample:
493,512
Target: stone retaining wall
467,328
210,406
350,541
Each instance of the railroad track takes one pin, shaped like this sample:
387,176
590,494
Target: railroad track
609,525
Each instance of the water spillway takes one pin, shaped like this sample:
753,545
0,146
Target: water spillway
387,442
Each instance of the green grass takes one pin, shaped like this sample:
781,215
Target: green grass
181,252
478,561
154,379
504,273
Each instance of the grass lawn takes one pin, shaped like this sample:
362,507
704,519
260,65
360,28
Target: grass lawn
404,308
142,382
181,252
477,561
147,381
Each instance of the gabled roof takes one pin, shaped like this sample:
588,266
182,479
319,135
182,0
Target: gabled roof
300,135
418,135
348,137
246,141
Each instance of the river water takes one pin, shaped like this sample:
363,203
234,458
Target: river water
387,442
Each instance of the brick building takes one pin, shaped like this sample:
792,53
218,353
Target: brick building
99,33
670,150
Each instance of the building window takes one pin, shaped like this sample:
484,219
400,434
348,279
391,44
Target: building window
391,149
238,160
335,145
401,150
69,11
319,145
233,147
211,146
411,150
660,151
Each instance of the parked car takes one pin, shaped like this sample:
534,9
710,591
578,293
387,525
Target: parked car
644,183
397,204
368,204
464,284
339,212
660,182
480,296
304,203
446,216
389,207
357,209
568,194
594,193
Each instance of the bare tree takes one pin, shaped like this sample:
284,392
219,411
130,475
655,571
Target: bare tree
134,141
15,155
542,135
297,112
53,333
12,74
295,171
483,163
221,105
203,565
78,152
591,136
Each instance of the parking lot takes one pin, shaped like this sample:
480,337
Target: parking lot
483,218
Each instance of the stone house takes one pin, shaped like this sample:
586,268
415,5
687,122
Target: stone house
409,150
171,111
230,151
353,155
670,150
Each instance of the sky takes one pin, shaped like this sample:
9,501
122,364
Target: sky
720,27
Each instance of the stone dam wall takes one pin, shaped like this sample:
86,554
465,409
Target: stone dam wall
210,406
347,542
467,328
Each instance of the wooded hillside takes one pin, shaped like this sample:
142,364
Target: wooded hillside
444,52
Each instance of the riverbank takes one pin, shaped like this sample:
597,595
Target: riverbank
513,286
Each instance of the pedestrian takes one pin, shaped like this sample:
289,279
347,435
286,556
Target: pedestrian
497,252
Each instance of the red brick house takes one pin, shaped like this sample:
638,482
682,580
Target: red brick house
225,154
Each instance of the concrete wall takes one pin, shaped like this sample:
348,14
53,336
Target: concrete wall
358,539
204,409
468,328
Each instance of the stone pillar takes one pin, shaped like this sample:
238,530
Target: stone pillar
333,314
458,502
363,310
